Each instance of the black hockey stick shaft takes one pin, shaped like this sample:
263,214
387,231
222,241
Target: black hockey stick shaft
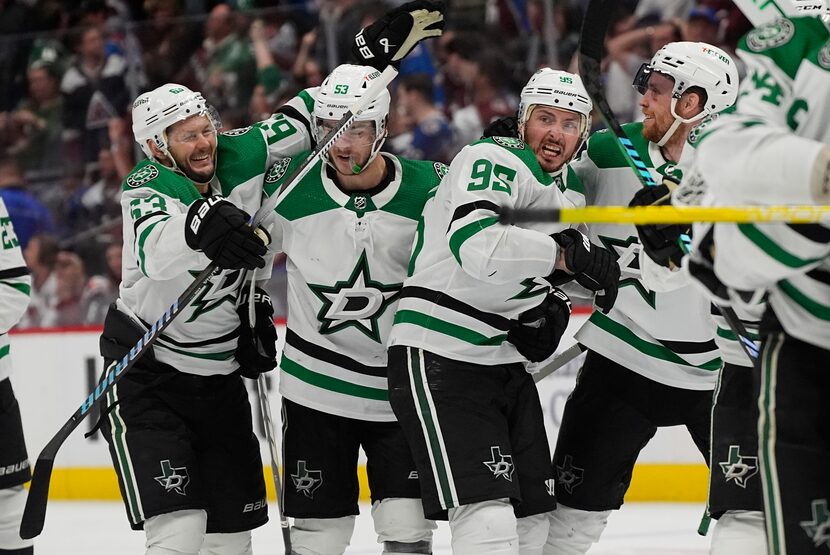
34,514
592,38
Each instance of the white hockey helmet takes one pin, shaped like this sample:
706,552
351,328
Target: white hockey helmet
693,64
336,96
155,111
557,89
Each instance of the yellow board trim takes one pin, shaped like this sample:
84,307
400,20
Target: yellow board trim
650,482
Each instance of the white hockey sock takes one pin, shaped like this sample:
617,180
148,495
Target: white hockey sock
572,531
401,526
485,527
176,533
321,536
238,543
12,501
740,532
533,533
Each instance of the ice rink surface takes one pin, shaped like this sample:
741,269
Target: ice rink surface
100,528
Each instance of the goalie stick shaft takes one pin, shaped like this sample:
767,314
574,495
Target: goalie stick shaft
34,514
592,38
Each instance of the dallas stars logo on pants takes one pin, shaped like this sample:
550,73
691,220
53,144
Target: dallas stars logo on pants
500,465
819,528
569,475
173,479
739,468
307,481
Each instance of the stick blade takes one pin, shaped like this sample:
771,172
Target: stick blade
34,515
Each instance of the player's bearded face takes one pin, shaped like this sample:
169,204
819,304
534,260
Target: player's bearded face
656,106
192,144
353,149
553,134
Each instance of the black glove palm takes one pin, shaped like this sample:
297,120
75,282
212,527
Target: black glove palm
389,39
593,267
660,241
537,331
256,350
219,229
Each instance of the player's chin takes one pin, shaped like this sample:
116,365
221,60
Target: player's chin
550,164
202,175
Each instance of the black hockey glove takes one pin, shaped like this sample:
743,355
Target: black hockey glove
219,229
256,350
389,39
507,126
537,331
702,269
593,267
660,241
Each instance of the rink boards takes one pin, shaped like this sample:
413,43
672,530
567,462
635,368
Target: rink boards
55,370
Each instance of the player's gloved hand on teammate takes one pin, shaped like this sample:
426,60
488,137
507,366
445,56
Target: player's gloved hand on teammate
660,241
219,229
507,126
537,331
592,266
389,39
256,349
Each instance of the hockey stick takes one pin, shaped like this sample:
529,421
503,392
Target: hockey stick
268,424
670,214
34,515
559,361
592,37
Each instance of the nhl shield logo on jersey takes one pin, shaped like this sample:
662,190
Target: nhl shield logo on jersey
818,529
142,176
568,475
500,465
173,478
739,468
509,142
771,35
307,481
277,170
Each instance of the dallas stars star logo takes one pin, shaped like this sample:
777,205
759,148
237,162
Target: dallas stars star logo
819,528
500,465
307,481
358,301
627,253
739,468
220,288
173,479
569,475
531,289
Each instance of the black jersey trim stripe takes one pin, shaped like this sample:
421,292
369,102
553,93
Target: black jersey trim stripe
814,232
689,347
442,299
466,209
335,359
20,271
146,217
821,276
204,343
294,113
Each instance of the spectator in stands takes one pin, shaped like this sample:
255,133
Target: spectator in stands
34,128
430,137
94,91
102,289
269,77
102,199
29,216
166,44
41,254
340,20
703,24
70,286
306,70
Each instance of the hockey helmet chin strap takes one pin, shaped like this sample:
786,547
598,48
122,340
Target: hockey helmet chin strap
678,120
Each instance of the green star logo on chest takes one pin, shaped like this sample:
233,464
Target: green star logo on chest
530,289
219,289
358,301
627,253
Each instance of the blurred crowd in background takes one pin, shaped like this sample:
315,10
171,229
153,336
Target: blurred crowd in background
69,71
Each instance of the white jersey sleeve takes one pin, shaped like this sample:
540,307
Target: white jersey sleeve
15,286
483,178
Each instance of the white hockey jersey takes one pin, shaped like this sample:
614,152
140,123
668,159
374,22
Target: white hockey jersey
15,287
470,275
666,336
157,263
347,257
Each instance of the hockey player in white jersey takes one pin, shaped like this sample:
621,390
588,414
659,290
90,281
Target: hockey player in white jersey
652,360
475,309
15,286
347,229
778,154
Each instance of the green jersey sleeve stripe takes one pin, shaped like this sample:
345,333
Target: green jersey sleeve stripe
774,250
447,328
4,350
307,100
651,349
813,307
141,240
419,244
22,287
728,334
457,239
330,383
